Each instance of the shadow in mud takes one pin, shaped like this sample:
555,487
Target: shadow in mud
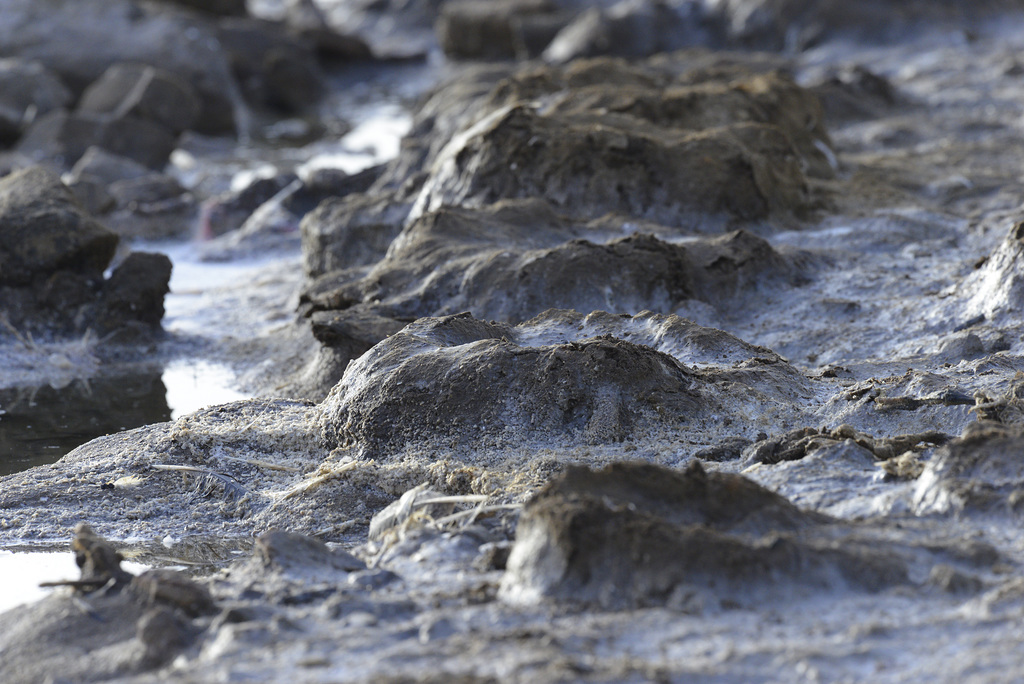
38,425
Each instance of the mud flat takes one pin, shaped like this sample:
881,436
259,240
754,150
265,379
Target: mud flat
698,365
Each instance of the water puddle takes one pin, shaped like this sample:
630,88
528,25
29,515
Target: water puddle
23,572
41,424
38,425
24,568
193,385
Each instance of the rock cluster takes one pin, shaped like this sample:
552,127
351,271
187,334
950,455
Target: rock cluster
130,81
563,30
52,261
571,187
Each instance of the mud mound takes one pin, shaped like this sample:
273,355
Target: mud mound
559,379
675,92
997,288
467,380
512,260
571,187
699,180
979,472
636,534
516,258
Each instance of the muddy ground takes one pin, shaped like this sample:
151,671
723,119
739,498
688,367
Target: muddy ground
777,442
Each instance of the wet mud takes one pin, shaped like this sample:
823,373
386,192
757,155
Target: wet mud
702,365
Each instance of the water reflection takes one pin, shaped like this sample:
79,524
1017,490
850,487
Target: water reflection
41,424
23,572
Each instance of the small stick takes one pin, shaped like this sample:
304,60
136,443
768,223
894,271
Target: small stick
306,485
77,584
261,464
475,511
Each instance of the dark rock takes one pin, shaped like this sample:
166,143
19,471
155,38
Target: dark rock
135,292
637,534
630,139
493,556
91,194
481,29
854,92
293,84
625,275
392,29
174,217
275,224
143,190
326,183
65,136
273,68
52,261
222,8
293,568
173,588
39,638
560,378
272,227
152,207
515,259
953,581
92,175
27,90
143,92
297,553
307,21
228,211
163,634
655,94
80,39
43,230
372,580
352,333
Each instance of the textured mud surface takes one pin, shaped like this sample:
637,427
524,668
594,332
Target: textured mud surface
705,365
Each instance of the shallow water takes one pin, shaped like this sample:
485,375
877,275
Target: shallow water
39,425
24,571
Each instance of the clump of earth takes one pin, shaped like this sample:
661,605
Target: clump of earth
648,357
